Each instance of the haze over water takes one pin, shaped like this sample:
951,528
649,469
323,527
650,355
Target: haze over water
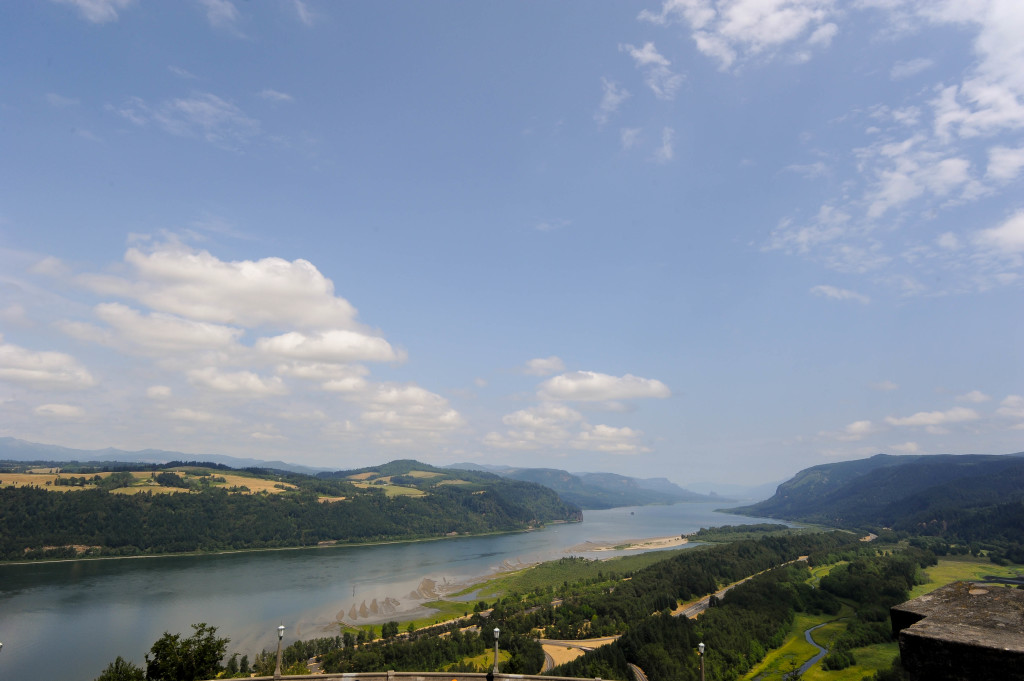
69,620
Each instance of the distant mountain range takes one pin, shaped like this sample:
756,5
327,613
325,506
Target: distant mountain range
597,490
13,449
960,497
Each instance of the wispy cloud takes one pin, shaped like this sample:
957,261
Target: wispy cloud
662,81
666,151
612,98
275,96
733,30
834,293
201,114
97,11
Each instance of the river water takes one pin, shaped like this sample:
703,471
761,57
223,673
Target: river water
66,621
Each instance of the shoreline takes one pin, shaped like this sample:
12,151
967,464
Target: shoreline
228,552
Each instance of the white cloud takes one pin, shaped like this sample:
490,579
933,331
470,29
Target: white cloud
220,13
1004,163
590,386
158,392
303,12
975,397
908,69
338,345
410,408
543,417
275,96
157,331
62,411
666,152
948,241
1007,237
906,448
97,11
728,30
1012,406
197,416
59,101
236,382
195,284
662,81
601,438
551,225
45,370
629,137
611,100
201,115
544,366
181,73
834,293
935,418
885,386
857,430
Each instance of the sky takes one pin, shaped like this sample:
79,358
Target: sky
709,240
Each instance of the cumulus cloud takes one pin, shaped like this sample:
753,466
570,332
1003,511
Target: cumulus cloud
834,293
97,11
906,448
1004,163
410,408
590,386
237,382
1007,237
858,430
1012,406
555,426
155,331
158,392
197,285
44,370
544,366
662,81
338,345
61,411
601,438
935,418
975,397
197,416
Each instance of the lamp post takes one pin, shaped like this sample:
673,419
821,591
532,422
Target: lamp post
700,655
496,632
280,635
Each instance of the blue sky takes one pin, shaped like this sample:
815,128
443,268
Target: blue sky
713,240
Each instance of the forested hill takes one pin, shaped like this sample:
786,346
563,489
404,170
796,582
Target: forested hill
969,498
598,490
157,509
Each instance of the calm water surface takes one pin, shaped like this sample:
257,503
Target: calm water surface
67,621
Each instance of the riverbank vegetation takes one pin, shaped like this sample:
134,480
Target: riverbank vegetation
213,511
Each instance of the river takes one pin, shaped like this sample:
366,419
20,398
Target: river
66,621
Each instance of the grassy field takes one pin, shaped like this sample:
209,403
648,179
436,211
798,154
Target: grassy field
967,568
392,490
794,650
44,479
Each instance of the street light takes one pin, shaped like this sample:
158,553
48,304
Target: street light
496,632
700,655
280,635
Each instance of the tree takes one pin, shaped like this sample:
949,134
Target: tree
122,670
173,658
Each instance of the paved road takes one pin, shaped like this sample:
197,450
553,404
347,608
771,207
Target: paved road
638,674
700,606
